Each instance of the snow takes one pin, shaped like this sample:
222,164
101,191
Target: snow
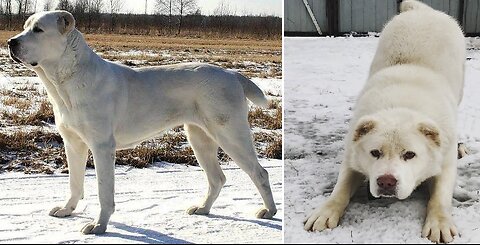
322,79
150,202
150,207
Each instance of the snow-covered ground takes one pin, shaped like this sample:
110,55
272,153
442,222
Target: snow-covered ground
150,202
322,79
150,207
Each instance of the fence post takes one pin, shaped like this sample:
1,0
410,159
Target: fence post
461,13
333,15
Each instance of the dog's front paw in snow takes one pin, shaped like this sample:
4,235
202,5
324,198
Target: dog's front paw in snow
265,213
61,212
94,228
439,227
197,210
326,216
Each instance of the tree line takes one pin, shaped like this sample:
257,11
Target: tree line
170,17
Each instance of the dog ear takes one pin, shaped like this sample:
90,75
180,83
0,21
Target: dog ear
431,132
65,22
364,126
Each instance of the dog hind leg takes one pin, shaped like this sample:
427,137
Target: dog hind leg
205,150
235,139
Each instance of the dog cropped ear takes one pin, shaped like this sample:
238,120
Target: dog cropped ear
364,127
65,22
431,132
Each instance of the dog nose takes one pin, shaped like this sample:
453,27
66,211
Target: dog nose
12,42
387,183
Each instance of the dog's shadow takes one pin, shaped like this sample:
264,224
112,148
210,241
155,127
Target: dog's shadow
143,235
255,221
151,236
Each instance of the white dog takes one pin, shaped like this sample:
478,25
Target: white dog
103,106
404,127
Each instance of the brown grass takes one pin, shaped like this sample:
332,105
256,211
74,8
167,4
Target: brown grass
273,104
226,52
44,115
274,149
19,103
260,118
104,42
169,148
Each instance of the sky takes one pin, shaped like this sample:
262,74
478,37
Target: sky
240,7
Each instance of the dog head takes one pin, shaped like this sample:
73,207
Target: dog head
44,38
397,149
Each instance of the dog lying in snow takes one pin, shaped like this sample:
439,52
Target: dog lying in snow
404,127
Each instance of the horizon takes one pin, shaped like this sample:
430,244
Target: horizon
207,7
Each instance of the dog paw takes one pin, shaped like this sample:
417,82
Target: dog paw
93,228
264,213
324,217
439,228
61,212
197,210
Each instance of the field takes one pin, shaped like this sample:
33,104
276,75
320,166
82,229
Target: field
323,79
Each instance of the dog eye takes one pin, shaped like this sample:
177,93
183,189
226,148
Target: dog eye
376,153
37,29
408,155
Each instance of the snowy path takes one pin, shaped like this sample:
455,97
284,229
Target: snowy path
322,79
150,206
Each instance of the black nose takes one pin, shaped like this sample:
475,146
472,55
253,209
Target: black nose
12,42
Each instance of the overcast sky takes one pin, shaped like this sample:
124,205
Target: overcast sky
240,7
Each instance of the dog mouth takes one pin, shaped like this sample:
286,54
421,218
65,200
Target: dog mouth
14,57
18,60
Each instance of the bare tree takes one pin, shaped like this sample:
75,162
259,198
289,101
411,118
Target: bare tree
23,8
94,9
222,9
114,7
184,7
47,5
65,5
20,6
80,7
8,12
165,7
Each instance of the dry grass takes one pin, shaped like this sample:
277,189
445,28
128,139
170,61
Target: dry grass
31,152
258,117
19,103
274,149
42,116
227,52
274,104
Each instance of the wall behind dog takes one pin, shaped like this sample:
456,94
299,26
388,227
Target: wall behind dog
339,17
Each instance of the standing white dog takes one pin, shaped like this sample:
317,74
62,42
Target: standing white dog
103,106
404,127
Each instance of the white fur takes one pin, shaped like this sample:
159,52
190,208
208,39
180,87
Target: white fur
103,106
410,103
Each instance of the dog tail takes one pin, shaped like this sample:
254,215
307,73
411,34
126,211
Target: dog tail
252,91
408,5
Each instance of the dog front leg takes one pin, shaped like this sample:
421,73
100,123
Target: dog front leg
439,226
77,153
104,160
329,213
